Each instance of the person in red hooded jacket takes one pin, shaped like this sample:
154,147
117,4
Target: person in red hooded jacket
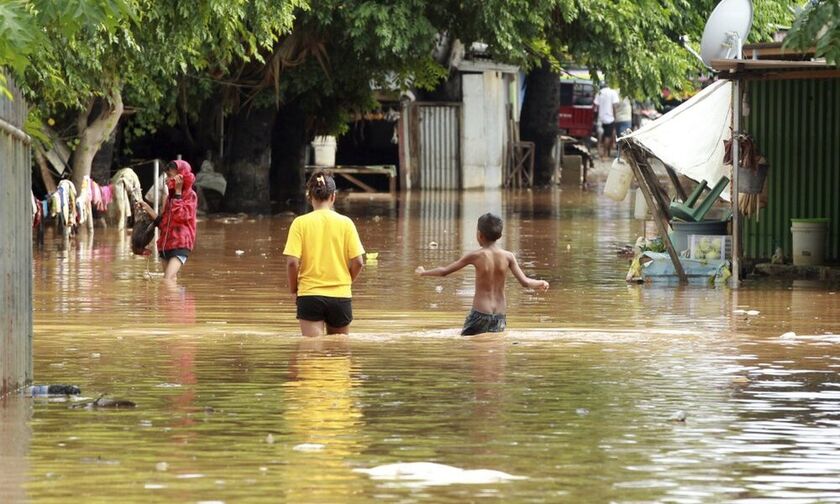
177,221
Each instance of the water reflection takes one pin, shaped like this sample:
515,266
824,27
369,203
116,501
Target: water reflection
323,422
15,433
577,396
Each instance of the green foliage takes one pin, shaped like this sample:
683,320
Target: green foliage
637,44
818,25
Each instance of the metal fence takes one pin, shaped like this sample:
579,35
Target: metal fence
15,244
437,145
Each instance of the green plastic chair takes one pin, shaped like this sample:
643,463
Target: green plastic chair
695,194
689,214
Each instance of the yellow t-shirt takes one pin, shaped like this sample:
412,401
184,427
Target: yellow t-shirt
324,241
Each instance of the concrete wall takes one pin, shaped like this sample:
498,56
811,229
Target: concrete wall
484,132
15,245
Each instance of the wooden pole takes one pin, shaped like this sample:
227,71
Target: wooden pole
659,214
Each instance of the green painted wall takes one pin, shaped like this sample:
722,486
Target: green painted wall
796,124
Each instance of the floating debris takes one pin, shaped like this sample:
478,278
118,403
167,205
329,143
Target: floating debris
309,447
420,474
240,252
788,335
161,466
269,439
678,416
105,402
582,412
433,245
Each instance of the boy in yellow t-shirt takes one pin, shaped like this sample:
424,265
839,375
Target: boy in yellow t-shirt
324,257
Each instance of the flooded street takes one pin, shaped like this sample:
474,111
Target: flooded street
577,398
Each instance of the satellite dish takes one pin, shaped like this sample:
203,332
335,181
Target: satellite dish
726,29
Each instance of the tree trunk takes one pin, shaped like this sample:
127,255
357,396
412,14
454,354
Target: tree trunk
46,175
248,160
100,170
538,122
92,134
290,143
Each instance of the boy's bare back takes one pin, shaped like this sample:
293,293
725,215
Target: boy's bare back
491,267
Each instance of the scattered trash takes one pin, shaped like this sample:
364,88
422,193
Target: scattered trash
439,289
52,390
568,246
582,411
753,313
240,252
740,380
161,466
433,245
377,218
678,416
269,439
788,335
95,355
421,474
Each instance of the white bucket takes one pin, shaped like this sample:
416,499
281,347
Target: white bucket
808,241
640,211
618,180
325,147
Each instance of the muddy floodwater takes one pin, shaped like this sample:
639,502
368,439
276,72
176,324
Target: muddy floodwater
579,401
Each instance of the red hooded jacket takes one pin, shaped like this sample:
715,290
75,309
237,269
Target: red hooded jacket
177,222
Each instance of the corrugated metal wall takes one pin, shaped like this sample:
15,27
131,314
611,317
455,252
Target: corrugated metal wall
796,124
15,245
438,148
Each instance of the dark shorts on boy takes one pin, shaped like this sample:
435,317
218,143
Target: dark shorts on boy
336,312
180,253
478,323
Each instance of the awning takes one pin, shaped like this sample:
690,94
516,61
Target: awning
690,137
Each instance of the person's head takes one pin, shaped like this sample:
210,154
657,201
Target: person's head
321,187
171,169
489,228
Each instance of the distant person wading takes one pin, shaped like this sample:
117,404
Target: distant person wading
324,257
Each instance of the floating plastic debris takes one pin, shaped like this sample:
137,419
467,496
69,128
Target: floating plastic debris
309,447
420,474
240,252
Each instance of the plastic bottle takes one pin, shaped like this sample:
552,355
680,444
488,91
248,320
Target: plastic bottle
38,390
48,390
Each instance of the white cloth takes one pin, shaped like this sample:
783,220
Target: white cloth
690,137
624,111
605,100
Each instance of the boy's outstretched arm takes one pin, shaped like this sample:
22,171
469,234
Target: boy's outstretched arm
466,260
524,280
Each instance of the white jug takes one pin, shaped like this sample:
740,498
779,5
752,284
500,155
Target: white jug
618,180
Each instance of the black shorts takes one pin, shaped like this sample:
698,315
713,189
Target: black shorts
336,312
608,130
480,323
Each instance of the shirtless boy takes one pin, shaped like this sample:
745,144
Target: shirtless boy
491,267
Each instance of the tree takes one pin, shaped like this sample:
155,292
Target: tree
133,62
818,26
635,43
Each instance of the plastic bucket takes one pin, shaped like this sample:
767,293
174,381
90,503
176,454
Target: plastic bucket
808,241
325,147
618,180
